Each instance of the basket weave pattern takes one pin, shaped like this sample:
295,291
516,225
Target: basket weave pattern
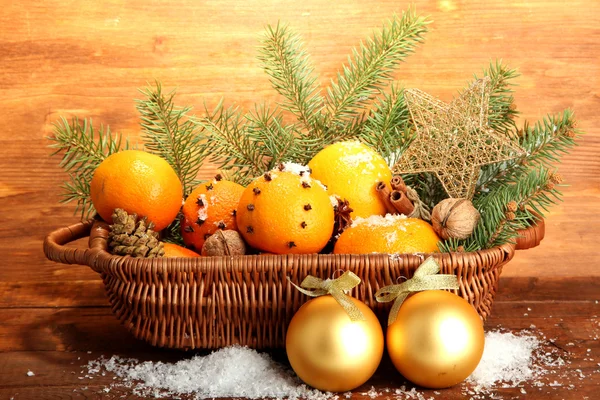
213,302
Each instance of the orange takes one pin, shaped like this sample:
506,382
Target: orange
352,170
140,183
211,206
173,250
393,234
284,212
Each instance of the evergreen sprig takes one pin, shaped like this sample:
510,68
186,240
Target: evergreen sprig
169,133
371,67
548,140
268,132
502,110
228,144
246,145
387,128
508,208
285,60
82,148
543,144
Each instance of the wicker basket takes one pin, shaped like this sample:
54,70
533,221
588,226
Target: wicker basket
212,302
532,236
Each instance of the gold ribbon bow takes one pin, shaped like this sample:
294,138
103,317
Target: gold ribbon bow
315,287
425,278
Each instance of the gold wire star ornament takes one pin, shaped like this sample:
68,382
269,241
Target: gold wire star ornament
454,140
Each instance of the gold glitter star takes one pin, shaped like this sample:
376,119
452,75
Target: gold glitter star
454,140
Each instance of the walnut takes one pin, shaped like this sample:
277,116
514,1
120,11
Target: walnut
224,243
454,218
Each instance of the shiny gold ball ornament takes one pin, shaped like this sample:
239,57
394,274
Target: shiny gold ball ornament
436,340
328,350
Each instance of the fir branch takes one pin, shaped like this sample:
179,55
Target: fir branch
78,190
272,138
542,197
507,208
225,140
287,63
82,149
387,128
495,227
172,233
370,67
549,139
544,144
428,187
168,133
502,111
535,191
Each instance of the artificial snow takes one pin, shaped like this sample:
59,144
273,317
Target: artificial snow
523,360
203,211
391,238
30,373
296,168
378,220
506,359
229,372
364,159
334,200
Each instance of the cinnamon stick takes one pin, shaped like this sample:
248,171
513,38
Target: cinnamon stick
401,202
384,194
397,183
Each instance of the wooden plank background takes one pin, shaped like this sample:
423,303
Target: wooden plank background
63,58
87,58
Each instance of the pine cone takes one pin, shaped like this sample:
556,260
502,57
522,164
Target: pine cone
130,236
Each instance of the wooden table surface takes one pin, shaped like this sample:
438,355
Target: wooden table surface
63,58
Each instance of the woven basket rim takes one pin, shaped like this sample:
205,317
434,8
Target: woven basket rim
100,260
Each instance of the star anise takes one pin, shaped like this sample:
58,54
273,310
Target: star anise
342,216
342,220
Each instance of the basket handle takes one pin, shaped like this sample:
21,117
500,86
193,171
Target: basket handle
56,251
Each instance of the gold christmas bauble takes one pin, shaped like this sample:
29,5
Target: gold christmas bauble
437,339
330,352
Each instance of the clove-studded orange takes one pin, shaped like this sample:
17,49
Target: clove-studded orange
210,206
285,211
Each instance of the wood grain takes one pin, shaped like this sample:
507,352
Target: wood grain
57,342
63,58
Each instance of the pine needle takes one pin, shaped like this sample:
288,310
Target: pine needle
387,128
502,110
286,62
544,144
168,132
371,67
82,149
226,141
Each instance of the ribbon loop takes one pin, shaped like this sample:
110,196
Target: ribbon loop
315,287
424,278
